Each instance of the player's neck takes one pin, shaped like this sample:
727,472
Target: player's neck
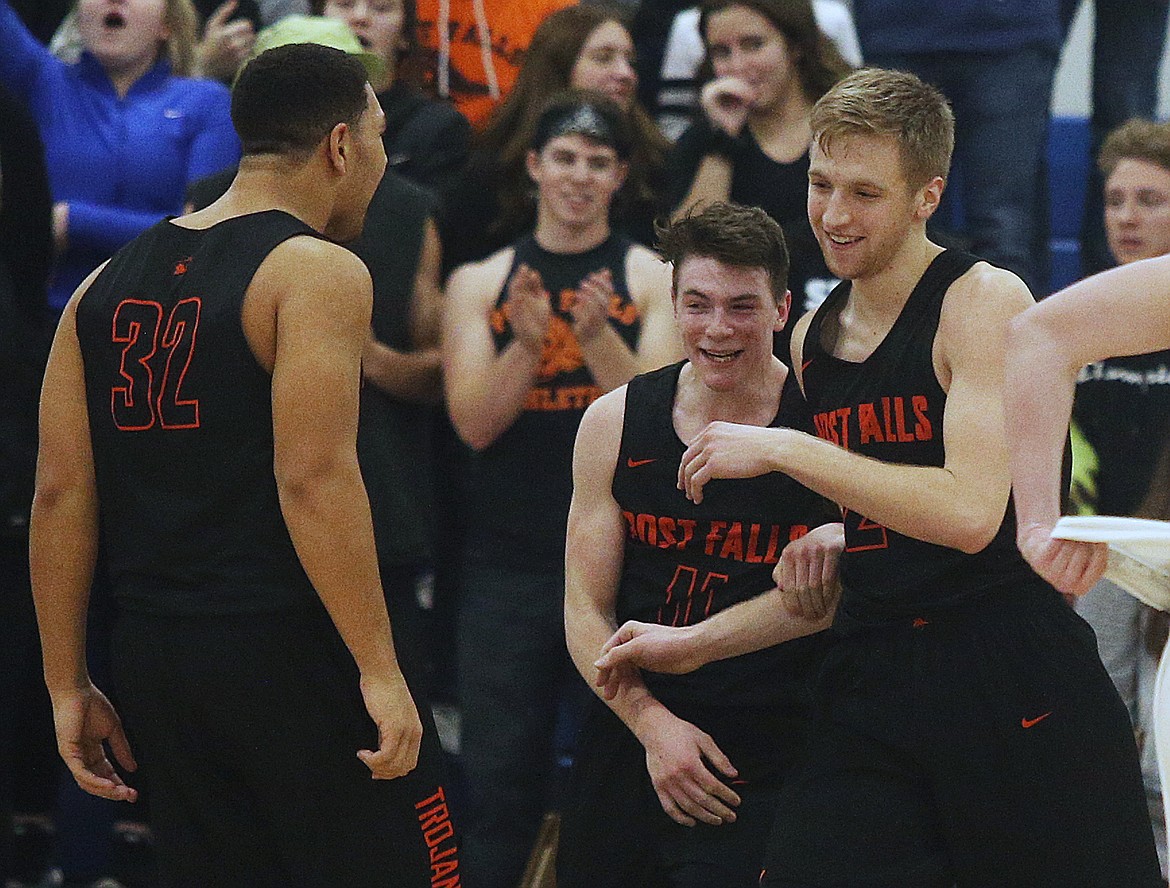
752,400
882,295
272,186
560,237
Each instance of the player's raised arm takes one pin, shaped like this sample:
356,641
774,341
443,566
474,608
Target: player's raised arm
486,389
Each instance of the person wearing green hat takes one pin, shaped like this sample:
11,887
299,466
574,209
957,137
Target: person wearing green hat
199,420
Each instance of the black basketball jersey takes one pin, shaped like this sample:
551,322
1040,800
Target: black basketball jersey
890,407
523,482
684,561
180,420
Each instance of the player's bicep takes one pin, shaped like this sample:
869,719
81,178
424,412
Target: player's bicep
594,544
322,324
973,422
64,455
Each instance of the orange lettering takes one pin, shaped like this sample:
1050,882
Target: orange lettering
751,556
688,528
713,535
733,544
648,529
844,414
631,523
666,525
867,421
900,420
922,428
772,555
887,418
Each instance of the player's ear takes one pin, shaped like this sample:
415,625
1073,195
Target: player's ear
783,308
929,197
338,147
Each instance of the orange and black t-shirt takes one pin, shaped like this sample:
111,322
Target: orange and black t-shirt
523,482
476,87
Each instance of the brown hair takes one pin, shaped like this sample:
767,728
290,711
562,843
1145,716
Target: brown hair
1136,139
548,69
877,102
817,60
731,233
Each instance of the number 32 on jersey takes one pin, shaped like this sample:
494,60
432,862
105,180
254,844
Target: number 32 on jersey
155,360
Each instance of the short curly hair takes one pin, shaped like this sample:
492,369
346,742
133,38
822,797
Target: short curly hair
731,233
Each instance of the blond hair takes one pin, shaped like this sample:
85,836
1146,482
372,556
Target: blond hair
877,102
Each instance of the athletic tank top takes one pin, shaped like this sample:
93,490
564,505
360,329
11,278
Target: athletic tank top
890,407
684,561
180,419
522,483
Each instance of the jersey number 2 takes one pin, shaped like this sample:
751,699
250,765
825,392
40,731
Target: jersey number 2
152,379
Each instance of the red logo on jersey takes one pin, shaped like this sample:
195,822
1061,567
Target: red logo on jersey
181,266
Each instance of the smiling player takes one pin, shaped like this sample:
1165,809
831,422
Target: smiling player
677,785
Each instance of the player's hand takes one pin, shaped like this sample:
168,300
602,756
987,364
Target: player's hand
390,705
1071,566
724,450
85,721
807,572
650,646
727,101
680,759
529,308
591,305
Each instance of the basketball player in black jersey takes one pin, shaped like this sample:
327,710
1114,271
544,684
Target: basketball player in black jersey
967,733
677,785
198,424
532,335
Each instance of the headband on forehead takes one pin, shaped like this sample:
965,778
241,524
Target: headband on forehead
580,120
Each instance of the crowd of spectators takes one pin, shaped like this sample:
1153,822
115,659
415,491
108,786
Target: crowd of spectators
114,114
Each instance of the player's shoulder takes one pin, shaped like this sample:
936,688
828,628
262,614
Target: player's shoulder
599,437
306,259
988,288
607,413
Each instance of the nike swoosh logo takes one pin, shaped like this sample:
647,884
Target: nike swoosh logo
1032,722
634,463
